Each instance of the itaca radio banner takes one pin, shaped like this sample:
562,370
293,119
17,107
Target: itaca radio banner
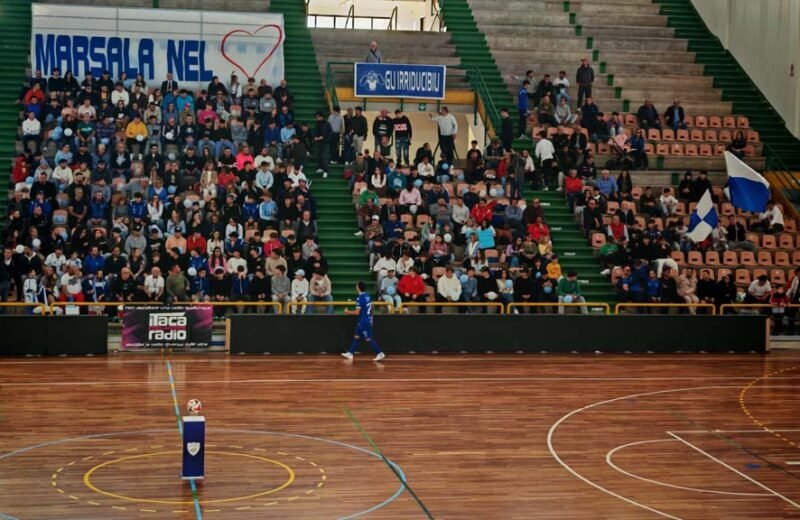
163,326
193,45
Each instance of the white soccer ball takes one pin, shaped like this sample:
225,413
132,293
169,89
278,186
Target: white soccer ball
192,271
448,238
68,132
194,406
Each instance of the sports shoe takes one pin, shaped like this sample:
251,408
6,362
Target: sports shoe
559,189
379,357
319,170
605,272
324,175
359,233
348,356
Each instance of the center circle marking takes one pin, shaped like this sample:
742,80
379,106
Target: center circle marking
87,479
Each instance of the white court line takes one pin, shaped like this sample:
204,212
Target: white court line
718,461
737,431
458,380
610,462
792,462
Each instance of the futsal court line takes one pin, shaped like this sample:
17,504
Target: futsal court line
728,466
380,454
197,509
610,462
789,430
458,380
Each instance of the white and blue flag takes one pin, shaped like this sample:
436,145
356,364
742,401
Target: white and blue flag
703,219
748,190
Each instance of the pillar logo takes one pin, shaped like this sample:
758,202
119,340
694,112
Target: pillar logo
193,448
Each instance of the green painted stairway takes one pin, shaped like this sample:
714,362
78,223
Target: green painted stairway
473,50
569,243
336,216
15,37
573,250
736,85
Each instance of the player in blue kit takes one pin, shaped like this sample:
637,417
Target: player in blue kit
364,328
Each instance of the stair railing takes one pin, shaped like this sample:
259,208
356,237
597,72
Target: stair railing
784,183
351,15
394,17
436,13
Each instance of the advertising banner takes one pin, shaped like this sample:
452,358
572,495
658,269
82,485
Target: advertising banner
193,45
162,326
399,80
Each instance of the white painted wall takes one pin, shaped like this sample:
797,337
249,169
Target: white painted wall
409,11
764,36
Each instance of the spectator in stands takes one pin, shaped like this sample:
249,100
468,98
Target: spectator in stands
522,108
738,145
687,288
674,116
759,291
546,112
590,115
647,116
771,220
569,291
685,188
706,287
584,77
563,114
607,186
637,144
402,137
448,129
793,293
32,132
373,53
412,288
561,88
725,291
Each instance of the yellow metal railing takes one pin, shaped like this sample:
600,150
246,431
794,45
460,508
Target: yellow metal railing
275,305
589,305
26,305
753,306
482,305
379,304
627,305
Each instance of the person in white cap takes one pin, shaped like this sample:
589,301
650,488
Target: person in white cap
299,293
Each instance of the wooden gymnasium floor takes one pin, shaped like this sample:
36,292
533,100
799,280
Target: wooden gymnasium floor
478,437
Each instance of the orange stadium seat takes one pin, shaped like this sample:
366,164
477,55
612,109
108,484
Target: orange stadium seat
752,136
722,272
742,122
678,257
630,120
676,149
729,122
683,135
710,135
706,150
668,134
654,134
688,121
769,242
777,276
649,149
796,258
696,135
764,258
743,276
701,122
730,258
691,149
598,239
712,258
785,241
636,192
747,258
725,136
715,122
782,258
719,149
789,225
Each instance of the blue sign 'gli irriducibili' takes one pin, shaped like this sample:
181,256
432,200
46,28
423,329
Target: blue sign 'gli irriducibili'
399,80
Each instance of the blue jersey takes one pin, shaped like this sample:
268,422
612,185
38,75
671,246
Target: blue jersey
364,305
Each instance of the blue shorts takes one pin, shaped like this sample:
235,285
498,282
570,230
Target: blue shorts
364,330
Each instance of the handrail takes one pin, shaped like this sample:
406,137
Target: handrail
436,12
515,305
40,306
351,14
330,87
789,185
395,15
724,307
625,305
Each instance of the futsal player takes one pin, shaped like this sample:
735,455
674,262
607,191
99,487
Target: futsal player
364,328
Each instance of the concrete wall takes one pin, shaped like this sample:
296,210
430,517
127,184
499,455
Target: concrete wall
764,36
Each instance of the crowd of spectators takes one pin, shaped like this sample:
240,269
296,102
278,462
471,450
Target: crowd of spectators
130,192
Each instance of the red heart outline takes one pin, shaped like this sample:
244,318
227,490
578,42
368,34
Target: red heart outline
268,56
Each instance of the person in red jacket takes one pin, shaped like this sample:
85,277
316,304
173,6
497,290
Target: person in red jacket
482,211
573,187
412,288
539,231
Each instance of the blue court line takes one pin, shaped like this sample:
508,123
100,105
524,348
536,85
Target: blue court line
197,510
386,502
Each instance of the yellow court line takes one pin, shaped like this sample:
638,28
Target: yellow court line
746,410
87,479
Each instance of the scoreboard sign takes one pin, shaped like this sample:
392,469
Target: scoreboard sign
162,326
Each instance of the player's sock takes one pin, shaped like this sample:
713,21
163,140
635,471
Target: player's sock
375,347
353,346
